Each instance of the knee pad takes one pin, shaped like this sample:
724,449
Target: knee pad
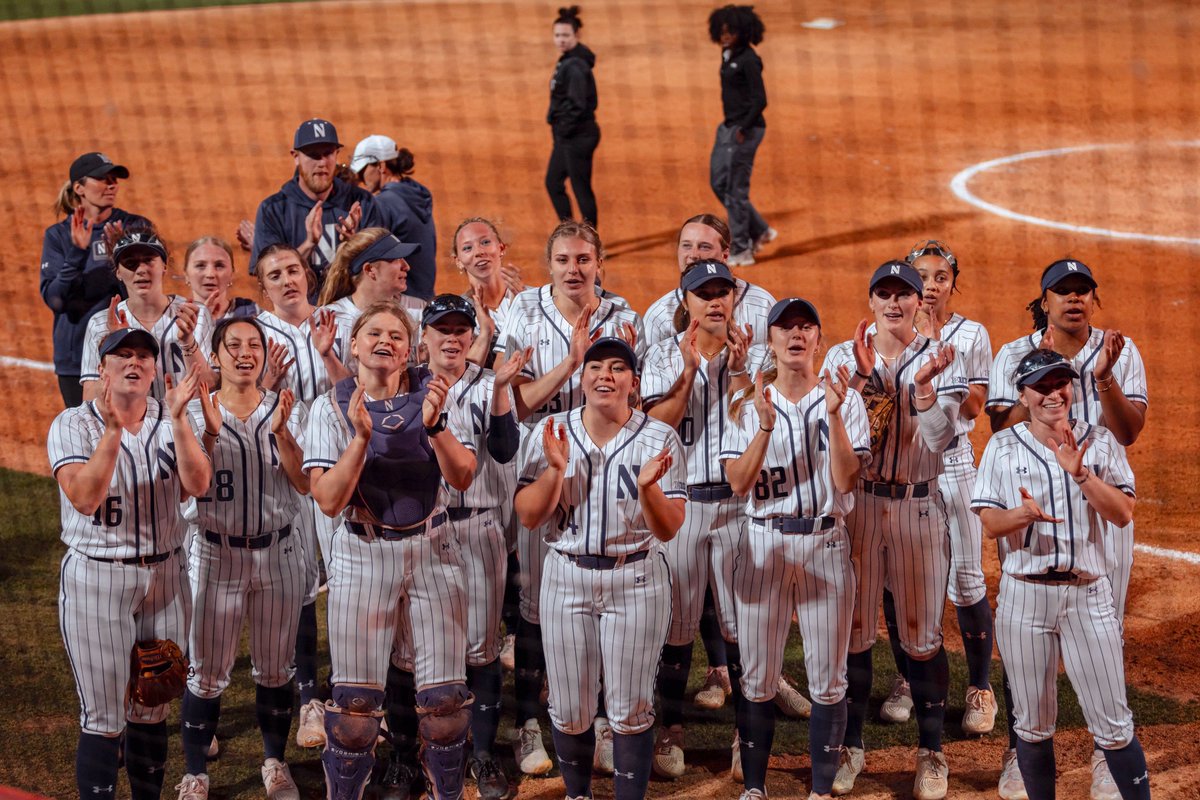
352,722
445,725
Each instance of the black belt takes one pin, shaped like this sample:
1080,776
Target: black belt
606,562
953,444
1055,576
459,514
141,561
396,534
897,491
797,524
709,492
250,542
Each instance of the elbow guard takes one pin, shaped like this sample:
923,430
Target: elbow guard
503,438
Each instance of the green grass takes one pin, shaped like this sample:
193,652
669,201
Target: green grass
39,718
43,9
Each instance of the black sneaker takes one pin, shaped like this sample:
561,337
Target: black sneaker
490,779
401,781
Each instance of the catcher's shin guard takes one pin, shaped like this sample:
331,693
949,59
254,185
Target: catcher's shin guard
352,721
445,725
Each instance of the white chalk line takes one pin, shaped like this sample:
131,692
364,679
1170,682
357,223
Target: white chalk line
13,361
1162,552
958,185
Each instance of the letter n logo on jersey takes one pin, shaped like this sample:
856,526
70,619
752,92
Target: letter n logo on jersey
166,461
478,419
627,486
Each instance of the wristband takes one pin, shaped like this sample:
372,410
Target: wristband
764,430
860,375
438,426
924,396
1087,473
188,349
737,373
1107,384
213,434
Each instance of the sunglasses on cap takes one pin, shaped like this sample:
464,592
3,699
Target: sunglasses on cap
446,304
931,247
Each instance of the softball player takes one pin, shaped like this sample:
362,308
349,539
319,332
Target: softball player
478,253
706,237
124,462
181,327
558,321
1050,490
898,528
208,270
938,268
688,380
77,279
378,447
244,562
1111,392
593,475
793,449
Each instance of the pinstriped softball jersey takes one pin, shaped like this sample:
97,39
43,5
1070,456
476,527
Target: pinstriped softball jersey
471,400
751,304
1037,623
170,353
810,574
307,377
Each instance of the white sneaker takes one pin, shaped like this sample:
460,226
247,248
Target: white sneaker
789,700
933,775
850,764
735,762
668,752
980,716
753,794
530,752
1103,785
715,689
1012,785
277,778
742,259
764,239
214,750
899,704
508,653
602,761
311,730
193,787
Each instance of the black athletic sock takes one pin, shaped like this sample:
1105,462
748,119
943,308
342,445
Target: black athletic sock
1129,772
401,706
889,619
146,759
672,681
733,656
485,682
1010,714
858,694
510,612
756,730
96,766
632,754
826,729
975,622
930,682
530,670
198,725
306,653
273,710
575,753
1036,762
710,632
601,705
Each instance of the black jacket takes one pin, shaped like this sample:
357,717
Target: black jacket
572,93
742,91
406,207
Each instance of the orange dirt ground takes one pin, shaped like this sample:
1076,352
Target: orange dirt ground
867,125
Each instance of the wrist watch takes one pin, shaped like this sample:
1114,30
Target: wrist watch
438,426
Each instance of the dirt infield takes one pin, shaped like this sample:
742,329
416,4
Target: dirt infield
868,124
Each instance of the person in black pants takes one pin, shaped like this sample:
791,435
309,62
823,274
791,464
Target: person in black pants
572,118
736,29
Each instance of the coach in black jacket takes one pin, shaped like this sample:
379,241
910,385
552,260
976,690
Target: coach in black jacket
572,118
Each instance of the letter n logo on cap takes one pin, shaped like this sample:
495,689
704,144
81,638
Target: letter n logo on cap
896,269
712,270
1071,265
319,130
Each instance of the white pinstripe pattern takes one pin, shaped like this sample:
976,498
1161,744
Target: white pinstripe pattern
702,555
609,623
471,402
103,610
751,305
307,377
170,353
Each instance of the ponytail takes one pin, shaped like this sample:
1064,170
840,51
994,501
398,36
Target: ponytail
67,201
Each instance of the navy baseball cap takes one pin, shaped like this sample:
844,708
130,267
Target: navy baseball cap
1061,270
138,243
446,304
612,347
901,271
315,131
128,337
704,271
95,165
792,303
386,249
1040,363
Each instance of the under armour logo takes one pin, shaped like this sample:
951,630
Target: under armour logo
626,775
392,422
981,636
153,768
102,789
281,712
300,685
639,580
486,707
568,762
287,549
829,748
445,545
922,513
746,743
831,545
1022,470
1145,776
201,726
896,270
319,129
1092,589
937,704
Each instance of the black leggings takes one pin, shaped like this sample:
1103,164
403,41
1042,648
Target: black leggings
572,158
71,390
